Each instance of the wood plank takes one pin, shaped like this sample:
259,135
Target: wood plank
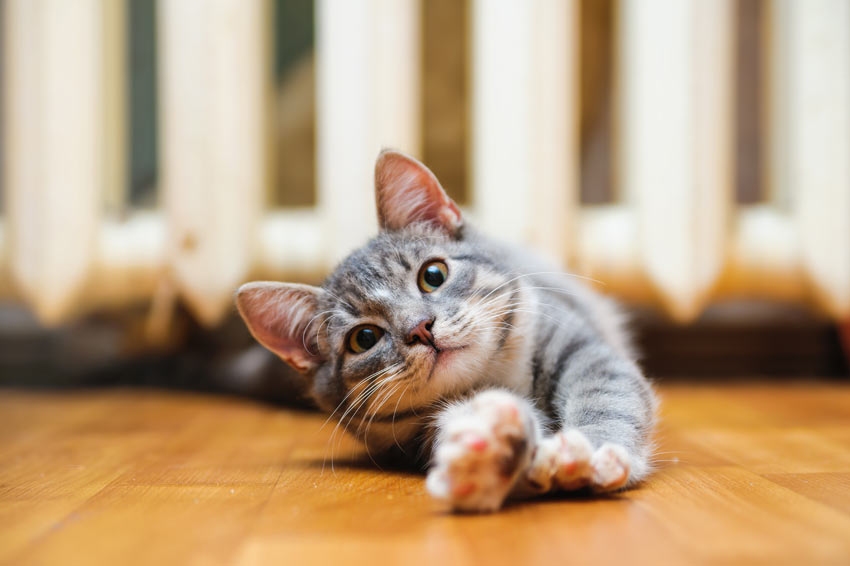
747,473
830,488
728,515
41,488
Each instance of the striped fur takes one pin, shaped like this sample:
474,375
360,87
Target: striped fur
502,320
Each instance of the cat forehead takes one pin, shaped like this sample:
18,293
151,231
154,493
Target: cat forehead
385,263
389,254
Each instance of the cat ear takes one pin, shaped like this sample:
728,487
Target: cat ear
406,191
279,316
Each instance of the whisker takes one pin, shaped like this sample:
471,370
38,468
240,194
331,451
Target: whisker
362,399
351,391
378,376
395,412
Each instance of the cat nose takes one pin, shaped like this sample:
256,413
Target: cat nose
422,333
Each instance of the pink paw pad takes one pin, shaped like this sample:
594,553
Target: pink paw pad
477,444
569,467
463,490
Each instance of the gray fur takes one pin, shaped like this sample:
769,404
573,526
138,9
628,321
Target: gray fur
527,328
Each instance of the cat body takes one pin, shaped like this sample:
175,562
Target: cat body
507,377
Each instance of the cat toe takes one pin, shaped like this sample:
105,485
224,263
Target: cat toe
573,459
609,468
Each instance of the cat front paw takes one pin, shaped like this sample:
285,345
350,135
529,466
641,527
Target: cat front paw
566,461
483,447
561,461
609,468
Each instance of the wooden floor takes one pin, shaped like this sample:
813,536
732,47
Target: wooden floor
749,474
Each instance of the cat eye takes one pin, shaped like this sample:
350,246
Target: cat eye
364,337
432,275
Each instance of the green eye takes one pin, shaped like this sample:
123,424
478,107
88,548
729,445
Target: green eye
364,337
432,275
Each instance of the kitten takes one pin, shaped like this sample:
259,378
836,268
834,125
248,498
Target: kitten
512,379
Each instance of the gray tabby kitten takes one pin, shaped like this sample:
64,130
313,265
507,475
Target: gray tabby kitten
512,379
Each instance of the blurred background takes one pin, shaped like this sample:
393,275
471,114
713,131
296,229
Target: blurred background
691,157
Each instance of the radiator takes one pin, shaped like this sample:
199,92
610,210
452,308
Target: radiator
674,236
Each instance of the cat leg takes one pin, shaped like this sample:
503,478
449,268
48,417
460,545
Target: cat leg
605,412
483,446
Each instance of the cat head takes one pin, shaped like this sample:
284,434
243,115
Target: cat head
415,315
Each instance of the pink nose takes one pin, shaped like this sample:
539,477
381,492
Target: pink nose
422,333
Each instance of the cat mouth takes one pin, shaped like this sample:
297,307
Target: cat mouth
442,352
442,357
